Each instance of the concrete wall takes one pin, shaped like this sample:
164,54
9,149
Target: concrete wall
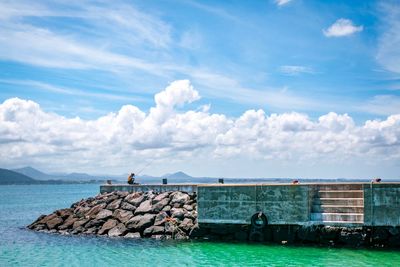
382,204
282,204
190,188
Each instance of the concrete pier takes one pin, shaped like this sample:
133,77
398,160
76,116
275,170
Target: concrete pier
335,204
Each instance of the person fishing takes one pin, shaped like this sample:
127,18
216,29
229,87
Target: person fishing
131,178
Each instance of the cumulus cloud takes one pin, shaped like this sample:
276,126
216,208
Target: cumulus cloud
28,134
342,27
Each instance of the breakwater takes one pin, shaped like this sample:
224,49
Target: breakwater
329,214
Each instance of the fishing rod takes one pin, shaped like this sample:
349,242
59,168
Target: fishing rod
148,164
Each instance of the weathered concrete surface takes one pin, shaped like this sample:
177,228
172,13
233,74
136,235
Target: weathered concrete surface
282,204
382,204
189,188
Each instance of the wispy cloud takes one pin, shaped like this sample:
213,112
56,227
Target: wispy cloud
342,27
389,41
282,2
293,70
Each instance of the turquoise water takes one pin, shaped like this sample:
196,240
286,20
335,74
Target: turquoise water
20,205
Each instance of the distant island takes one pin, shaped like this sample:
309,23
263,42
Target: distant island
30,175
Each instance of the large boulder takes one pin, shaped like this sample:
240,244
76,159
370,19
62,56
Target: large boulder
79,223
68,223
145,207
160,197
134,199
114,205
65,213
94,223
111,223
122,215
186,225
95,210
160,205
127,206
153,230
179,198
53,223
160,218
132,235
140,222
104,214
118,230
177,213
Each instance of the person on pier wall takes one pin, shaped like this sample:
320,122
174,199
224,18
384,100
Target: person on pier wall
131,178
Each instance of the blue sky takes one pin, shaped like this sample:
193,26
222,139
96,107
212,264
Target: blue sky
87,59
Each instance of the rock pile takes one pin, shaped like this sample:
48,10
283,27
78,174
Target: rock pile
149,214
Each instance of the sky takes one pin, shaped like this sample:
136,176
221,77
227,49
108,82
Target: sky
273,88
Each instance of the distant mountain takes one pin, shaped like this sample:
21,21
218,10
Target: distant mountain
34,173
12,177
178,175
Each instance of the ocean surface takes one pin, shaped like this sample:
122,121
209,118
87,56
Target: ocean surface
22,204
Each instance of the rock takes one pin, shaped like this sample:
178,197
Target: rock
167,209
160,205
132,235
186,225
188,207
47,218
53,223
68,223
160,218
191,215
135,199
160,197
118,230
145,207
177,213
65,213
90,231
153,230
95,210
180,236
111,198
79,223
111,223
94,223
179,197
140,222
127,206
122,194
114,205
122,215
170,227
149,195
104,214
78,230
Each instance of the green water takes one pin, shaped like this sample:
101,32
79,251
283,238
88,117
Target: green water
20,205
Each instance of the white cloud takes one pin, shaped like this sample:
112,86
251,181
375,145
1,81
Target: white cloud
342,27
293,70
282,2
29,135
388,54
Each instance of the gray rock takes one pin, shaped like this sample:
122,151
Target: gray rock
95,210
79,223
167,209
160,197
114,205
153,230
186,225
104,214
188,207
132,235
118,230
145,207
177,213
65,213
135,199
160,218
78,230
179,197
160,205
94,223
140,222
127,206
53,223
122,215
111,223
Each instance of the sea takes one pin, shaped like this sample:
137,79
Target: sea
22,204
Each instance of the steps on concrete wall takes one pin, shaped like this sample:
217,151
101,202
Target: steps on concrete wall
339,204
